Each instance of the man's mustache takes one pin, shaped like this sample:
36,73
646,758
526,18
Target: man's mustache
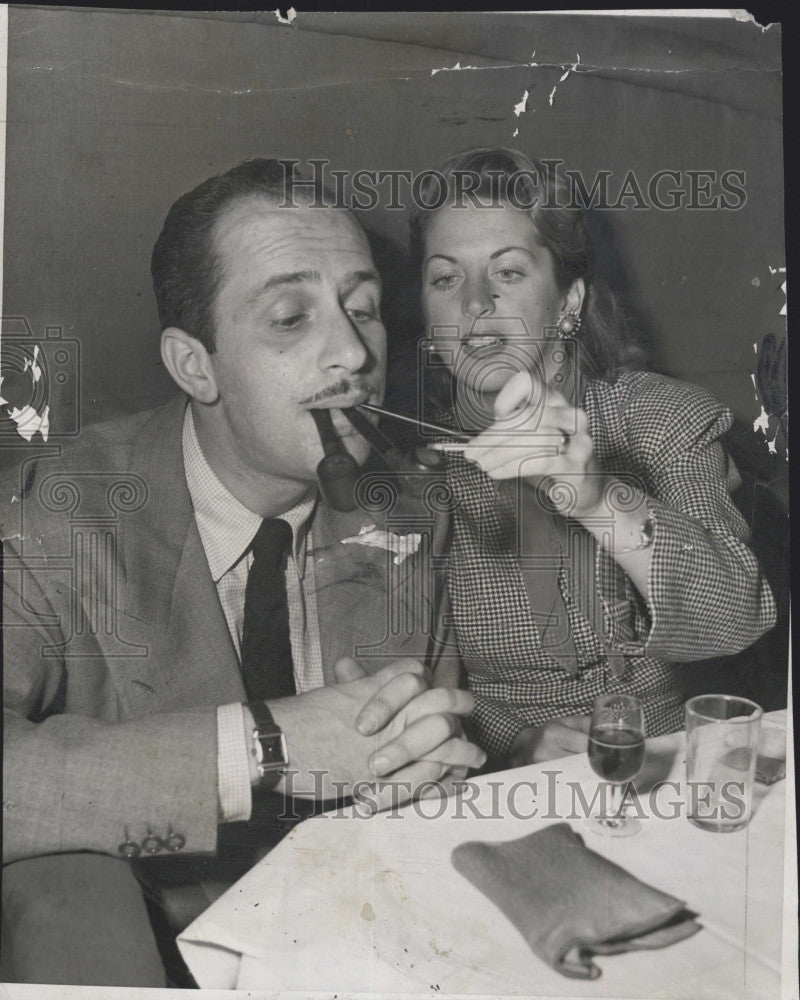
343,387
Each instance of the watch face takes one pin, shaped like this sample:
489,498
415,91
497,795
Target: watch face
271,753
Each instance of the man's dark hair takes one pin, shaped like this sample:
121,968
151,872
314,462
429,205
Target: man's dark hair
185,267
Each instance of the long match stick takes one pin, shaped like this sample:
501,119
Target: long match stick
421,424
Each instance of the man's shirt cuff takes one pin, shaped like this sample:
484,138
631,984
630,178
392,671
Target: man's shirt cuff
233,771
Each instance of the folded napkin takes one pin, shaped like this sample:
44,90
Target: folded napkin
570,903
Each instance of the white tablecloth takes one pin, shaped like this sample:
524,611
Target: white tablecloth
355,905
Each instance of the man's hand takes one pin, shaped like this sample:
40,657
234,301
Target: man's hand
556,738
367,727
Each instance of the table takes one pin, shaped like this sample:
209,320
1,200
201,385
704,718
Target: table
357,905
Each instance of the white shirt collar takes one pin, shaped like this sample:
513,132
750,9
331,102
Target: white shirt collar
225,525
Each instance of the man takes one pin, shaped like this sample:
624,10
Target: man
145,698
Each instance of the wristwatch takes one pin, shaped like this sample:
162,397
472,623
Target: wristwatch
269,745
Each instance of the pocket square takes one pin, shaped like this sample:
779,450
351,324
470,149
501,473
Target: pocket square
402,545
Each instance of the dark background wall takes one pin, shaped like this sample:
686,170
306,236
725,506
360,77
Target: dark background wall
112,115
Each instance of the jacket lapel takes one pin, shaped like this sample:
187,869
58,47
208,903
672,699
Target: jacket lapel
167,591
368,606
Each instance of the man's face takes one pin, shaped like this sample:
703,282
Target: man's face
297,322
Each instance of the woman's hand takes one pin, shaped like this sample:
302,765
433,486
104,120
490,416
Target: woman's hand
540,438
556,738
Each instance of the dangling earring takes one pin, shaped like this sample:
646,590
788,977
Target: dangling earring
569,324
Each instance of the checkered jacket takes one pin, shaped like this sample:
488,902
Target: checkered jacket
707,595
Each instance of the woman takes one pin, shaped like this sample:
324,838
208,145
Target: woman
595,545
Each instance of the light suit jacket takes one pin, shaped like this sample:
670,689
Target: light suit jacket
116,647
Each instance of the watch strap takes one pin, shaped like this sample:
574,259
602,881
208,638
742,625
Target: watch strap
269,745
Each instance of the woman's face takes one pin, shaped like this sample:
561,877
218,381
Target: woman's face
490,296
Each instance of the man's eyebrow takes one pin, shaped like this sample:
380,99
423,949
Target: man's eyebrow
351,282
286,278
356,278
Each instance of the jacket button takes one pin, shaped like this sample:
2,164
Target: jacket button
151,843
174,841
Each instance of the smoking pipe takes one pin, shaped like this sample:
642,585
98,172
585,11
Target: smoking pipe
338,471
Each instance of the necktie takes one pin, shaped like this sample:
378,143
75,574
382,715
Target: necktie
267,668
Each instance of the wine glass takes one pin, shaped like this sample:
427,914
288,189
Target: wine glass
616,753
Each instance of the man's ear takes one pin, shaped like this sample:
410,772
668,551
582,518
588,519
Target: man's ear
573,300
189,364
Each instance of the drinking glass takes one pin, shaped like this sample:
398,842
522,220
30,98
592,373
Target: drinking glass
721,751
616,754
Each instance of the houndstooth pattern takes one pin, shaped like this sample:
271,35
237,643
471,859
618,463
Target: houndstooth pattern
665,433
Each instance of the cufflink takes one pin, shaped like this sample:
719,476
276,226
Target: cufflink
174,841
129,848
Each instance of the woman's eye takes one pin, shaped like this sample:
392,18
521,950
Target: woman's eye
362,315
444,281
508,274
